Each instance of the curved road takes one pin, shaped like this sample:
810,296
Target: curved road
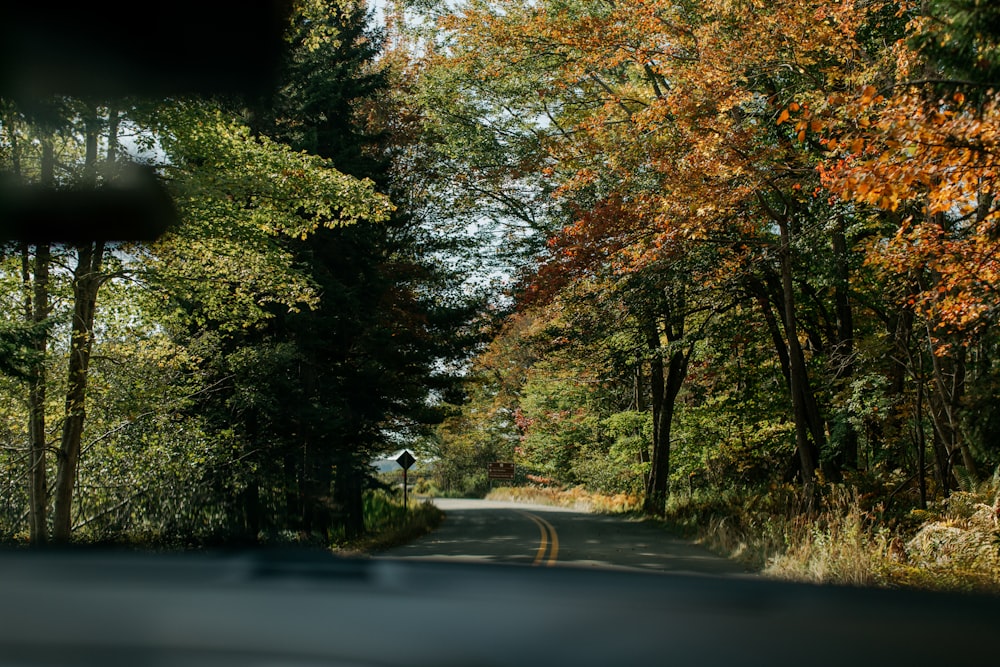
504,532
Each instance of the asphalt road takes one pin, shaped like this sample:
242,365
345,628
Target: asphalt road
543,536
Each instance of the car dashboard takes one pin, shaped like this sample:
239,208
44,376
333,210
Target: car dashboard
296,609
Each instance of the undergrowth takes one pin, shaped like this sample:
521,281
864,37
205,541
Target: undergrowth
846,538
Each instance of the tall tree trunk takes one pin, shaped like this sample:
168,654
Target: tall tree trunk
349,495
657,482
658,486
902,364
942,464
86,283
667,380
921,444
37,311
291,489
948,382
640,407
676,372
796,359
811,421
252,519
780,347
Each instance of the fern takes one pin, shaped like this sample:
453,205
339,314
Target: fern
966,480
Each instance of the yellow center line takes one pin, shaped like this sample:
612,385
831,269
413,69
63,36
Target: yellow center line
549,537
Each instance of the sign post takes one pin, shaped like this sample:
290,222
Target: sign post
405,460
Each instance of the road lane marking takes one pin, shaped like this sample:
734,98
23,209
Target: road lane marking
554,542
543,543
549,540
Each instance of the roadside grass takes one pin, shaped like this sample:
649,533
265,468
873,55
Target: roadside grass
576,497
388,523
846,538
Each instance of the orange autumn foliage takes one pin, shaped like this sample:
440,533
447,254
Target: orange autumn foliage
933,160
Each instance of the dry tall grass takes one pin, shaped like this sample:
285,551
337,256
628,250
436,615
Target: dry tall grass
840,545
954,545
577,498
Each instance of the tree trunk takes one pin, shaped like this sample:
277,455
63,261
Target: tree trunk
843,351
772,326
349,493
37,311
292,490
902,364
948,382
796,359
921,445
667,380
942,464
640,407
657,483
812,421
86,283
251,512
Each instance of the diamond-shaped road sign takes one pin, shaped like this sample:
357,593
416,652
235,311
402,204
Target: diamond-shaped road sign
405,460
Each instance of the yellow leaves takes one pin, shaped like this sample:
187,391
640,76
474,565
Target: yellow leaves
782,117
868,95
889,202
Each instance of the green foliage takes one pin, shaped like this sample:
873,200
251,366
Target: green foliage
625,467
563,424
255,182
17,355
466,443
961,38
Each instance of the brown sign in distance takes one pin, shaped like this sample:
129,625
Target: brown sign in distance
500,470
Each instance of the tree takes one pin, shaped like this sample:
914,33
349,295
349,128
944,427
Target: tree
233,191
360,367
923,151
